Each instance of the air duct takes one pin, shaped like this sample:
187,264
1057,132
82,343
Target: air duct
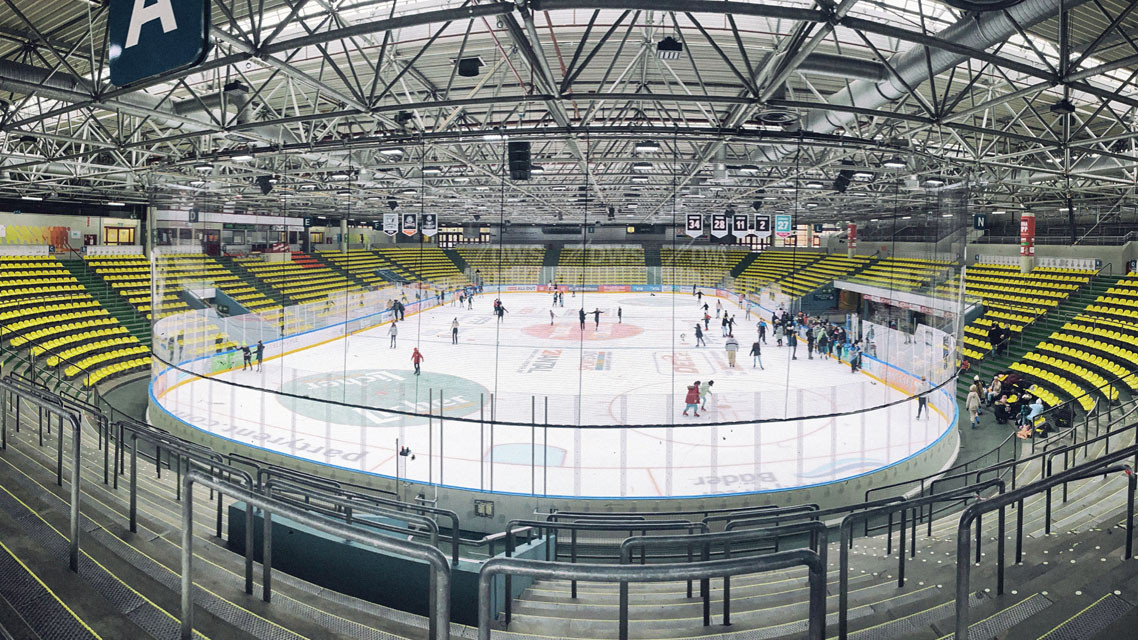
975,31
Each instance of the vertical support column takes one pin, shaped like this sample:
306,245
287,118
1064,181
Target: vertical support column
851,240
1026,241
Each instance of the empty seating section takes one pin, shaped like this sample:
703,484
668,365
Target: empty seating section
45,310
130,277
601,265
907,274
1094,353
505,264
361,265
701,267
425,264
771,266
819,273
1011,299
304,279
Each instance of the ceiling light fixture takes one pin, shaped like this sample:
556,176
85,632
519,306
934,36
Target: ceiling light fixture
33,198
114,203
243,156
391,152
640,179
896,162
934,182
536,169
203,167
647,146
642,166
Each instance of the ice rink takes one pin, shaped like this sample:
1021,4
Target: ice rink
534,367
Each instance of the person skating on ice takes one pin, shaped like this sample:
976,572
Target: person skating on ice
619,315
691,400
724,324
392,331
581,317
756,356
246,356
551,317
706,321
501,311
810,333
792,342
763,330
718,308
732,347
698,295
596,318
704,394
699,336
730,324
923,398
454,331
260,354
416,359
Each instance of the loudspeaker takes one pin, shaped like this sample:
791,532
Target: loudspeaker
519,160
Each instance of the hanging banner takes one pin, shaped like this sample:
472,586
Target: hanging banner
410,224
739,225
391,223
782,225
851,241
1027,233
695,225
430,224
719,225
763,226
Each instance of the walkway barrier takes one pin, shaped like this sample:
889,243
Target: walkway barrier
657,573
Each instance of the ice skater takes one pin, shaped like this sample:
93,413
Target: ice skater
581,317
551,317
757,356
732,348
698,295
705,394
246,356
416,359
763,330
725,324
923,399
596,318
691,400
718,307
619,315
260,354
501,311
792,342
706,321
699,336
454,331
392,331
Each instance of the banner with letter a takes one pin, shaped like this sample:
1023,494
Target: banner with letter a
694,225
148,39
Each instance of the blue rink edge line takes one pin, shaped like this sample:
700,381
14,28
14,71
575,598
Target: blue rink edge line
951,427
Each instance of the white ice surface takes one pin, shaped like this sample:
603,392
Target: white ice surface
634,372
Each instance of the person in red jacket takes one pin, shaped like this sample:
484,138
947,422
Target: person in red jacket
691,401
416,358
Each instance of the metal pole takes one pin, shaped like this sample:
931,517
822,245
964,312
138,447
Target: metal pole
267,556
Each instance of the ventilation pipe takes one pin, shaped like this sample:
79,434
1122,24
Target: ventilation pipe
976,31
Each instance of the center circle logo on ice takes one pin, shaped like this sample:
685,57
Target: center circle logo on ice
572,331
382,389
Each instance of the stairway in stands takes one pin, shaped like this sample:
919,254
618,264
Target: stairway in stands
248,277
744,263
456,259
110,299
1075,585
337,269
1038,332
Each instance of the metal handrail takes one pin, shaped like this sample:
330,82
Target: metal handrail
656,573
63,413
846,533
542,526
819,543
760,511
439,607
344,509
973,512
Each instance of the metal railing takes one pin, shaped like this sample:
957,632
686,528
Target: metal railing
819,543
975,511
440,579
702,570
63,413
